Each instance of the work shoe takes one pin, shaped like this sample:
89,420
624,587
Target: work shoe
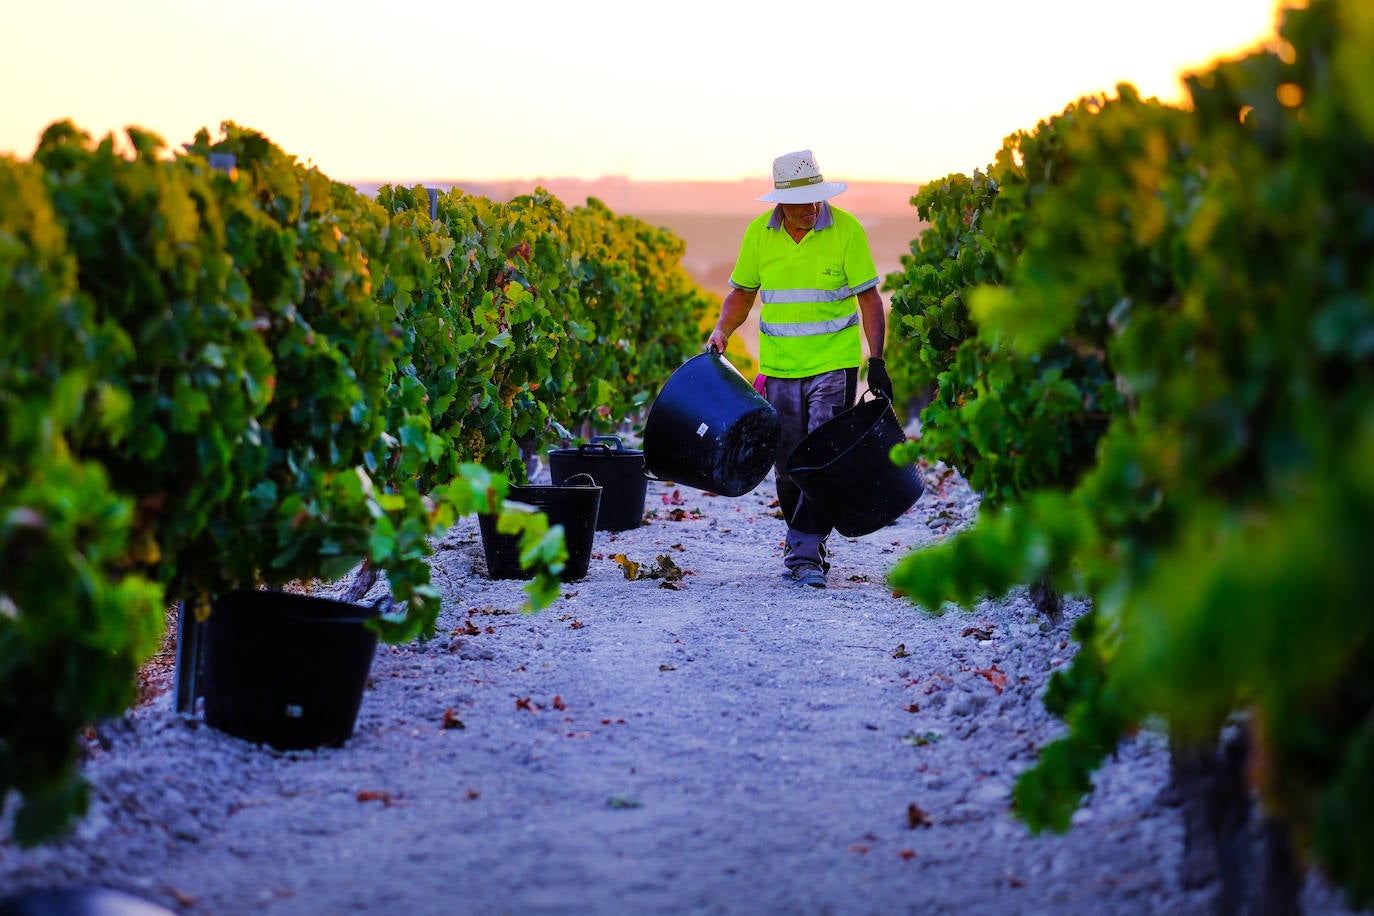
809,574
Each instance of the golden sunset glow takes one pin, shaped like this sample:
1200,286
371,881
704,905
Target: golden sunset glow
427,90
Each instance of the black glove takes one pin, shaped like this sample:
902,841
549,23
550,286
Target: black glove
877,377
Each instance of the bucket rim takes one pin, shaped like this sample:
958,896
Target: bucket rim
715,356
326,609
531,488
598,447
878,403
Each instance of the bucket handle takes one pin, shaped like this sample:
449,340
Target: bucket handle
591,481
603,443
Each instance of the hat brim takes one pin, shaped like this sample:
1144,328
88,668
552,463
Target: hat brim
806,194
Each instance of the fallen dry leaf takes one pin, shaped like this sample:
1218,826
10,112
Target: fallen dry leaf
371,795
629,567
996,677
668,569
183,898
663,568
492,611
917,817
451,720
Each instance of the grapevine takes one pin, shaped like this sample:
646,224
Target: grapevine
1217,261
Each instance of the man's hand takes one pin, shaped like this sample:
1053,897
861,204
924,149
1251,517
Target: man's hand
877,377
734,308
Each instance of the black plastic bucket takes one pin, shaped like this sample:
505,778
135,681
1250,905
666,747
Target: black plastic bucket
286,669
79,901
708,428
619,470
843,466
574,506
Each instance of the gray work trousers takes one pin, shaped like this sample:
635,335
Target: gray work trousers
802,405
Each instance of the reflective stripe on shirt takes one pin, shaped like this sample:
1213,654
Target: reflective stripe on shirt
771,296
808,328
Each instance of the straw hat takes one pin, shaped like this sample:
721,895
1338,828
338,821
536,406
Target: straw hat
797,180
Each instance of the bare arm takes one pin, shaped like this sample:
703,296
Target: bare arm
874,320
734,308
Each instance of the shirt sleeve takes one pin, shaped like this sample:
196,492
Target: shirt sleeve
746,272
859,270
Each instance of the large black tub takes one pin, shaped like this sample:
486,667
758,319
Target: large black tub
708,428
575,505
843,466
619,471
286,669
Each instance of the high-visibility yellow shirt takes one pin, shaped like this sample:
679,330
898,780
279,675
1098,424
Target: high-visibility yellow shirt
809,321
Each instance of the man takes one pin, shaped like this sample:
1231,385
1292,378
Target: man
812,264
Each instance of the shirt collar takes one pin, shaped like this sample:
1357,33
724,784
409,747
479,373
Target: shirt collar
824,221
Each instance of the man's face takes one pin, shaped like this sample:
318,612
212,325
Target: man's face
801,216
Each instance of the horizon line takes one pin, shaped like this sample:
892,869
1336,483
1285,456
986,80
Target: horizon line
615,178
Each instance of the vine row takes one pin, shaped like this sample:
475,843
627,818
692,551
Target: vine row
220,369
1152,333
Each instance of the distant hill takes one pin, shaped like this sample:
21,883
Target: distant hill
639,198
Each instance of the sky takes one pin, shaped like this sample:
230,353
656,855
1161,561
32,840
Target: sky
412,90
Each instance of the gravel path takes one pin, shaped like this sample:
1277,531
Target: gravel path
734,745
